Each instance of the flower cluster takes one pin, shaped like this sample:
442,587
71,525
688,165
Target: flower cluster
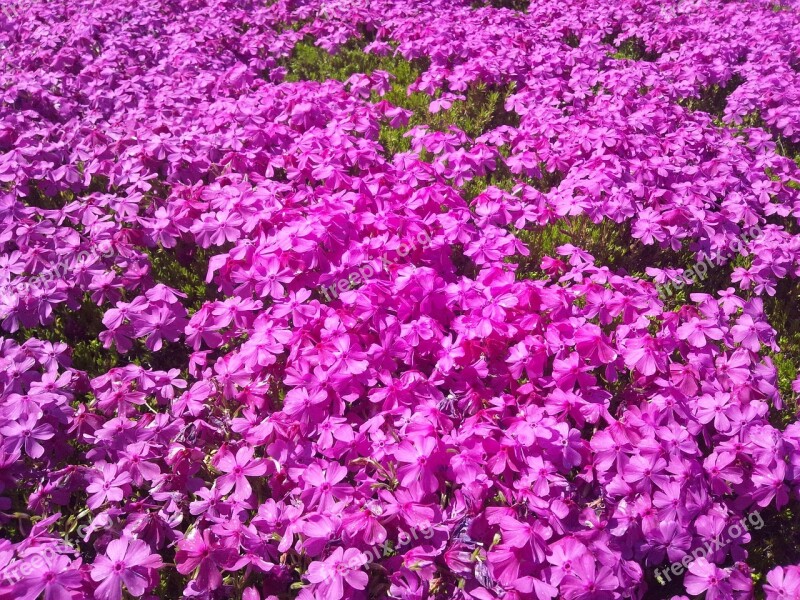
559,432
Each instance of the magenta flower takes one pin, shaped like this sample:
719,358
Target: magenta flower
418,460
126,562
57,577
706,577
108,485
324,485
783,583
399,351
27,434
749,333
202,556
237,469
588,582
696,331
341,567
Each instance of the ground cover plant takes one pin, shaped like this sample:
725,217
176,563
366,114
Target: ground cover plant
399,299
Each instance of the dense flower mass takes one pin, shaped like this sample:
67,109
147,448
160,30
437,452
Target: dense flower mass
398,330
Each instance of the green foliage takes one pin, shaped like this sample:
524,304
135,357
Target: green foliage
499,179
79,323
572,40
713,99
183,268
782,310
79,328
778,542
610,243
518,5
311,63
482,110
634,48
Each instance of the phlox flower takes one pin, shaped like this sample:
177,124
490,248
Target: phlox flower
202,556
58,579
705,577
783,583
341,567
588,582
236,470
109,485
27,433
127,562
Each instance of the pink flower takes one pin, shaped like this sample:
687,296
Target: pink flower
695,331
587,582
706,577
107,486
324,485
58,578
237,469
340,568
749,333
783,583
126,561
419,462
27,434
203,556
